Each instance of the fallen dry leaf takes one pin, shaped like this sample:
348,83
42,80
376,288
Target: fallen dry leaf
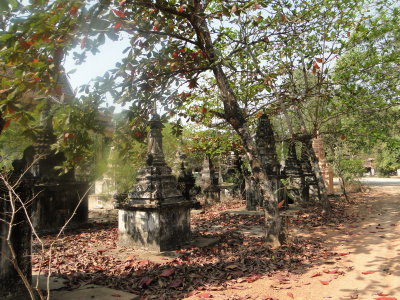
176,283
204,295
315,275
167,272
290,295
367,273
324,282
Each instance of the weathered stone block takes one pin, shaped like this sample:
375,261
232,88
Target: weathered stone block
158,229
56,203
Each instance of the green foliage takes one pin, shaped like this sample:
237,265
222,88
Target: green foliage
212,143
13,142
350,169
79,128
387,158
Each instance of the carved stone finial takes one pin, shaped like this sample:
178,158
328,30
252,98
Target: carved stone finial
155,147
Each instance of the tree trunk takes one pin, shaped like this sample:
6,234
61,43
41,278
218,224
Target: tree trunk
319,177
234,115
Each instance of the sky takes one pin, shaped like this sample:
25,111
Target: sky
96,65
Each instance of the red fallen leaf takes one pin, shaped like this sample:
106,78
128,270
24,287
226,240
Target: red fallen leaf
315,274
386,298
382,294
176,283
290,295
324,282
367,273
116,295
280,204
117,26
119,13
344,253
253,278
204,295
167,272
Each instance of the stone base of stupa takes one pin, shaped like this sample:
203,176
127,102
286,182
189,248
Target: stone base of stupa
155,228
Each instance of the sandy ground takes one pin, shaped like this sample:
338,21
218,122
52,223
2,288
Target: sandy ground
367,265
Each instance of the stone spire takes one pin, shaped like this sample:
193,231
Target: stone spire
155,148
46,137
265,141
155,183
305,161
292,164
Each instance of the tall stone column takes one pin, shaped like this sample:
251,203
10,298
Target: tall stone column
155,215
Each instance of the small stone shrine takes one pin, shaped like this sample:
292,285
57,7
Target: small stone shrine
186,180
58,196
297,189
307,169
231,172
154,215
209,182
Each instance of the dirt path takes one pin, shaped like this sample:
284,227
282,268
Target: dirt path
366,264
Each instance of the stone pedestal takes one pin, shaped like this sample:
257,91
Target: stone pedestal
155,215
157,228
